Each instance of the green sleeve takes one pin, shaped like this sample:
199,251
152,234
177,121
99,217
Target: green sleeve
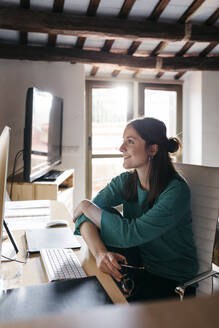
82,218
110,196
172,205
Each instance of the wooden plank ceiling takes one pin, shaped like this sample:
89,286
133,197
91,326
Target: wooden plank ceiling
87,26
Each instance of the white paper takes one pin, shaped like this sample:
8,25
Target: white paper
27,204
26,212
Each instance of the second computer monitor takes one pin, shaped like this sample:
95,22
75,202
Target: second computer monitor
4,151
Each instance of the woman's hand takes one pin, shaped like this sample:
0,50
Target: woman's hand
107,262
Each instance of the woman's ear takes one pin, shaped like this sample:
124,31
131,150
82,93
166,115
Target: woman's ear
153,149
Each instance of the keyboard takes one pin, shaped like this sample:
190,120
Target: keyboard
51,175
61,264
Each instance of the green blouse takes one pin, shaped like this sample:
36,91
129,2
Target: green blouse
162,233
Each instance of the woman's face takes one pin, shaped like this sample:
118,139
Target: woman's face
133,148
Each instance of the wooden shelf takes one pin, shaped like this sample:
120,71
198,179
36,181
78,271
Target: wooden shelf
61,189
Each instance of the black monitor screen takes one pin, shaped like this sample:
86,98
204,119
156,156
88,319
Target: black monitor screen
43,133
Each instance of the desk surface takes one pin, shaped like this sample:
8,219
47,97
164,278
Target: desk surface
33,271
192,313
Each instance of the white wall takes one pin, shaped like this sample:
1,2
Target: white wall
192,118
64,80
201,118
210,155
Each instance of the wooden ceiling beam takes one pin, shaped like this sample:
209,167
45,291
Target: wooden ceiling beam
159,75
97,57
196,4
186,16
161,45
25,4
92,8
94,70
80,43
208,49
210,21
179,75
213,18
23,37
185,48
123,13
91,11
116,72
58,6
136,74
159,8
126,8
134,46
111,28
107,45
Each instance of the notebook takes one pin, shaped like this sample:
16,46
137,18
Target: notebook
60,297
50,238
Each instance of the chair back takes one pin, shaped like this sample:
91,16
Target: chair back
204,185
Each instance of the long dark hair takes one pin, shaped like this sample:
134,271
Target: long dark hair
162,170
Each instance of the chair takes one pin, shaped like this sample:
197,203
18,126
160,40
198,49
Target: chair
204,185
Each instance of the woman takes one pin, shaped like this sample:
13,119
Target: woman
155,231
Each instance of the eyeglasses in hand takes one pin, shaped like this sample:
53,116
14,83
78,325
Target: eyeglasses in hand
127,283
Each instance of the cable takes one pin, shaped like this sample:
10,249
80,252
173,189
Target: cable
8,258
18,170
14,168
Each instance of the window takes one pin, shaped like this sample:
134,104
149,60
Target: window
164,102
109,107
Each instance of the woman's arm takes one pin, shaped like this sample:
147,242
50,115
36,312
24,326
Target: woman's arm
106,261
90,210
110,196
170,207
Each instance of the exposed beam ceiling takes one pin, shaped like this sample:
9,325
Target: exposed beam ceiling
127,28
210,21
121,61
194,6
26,20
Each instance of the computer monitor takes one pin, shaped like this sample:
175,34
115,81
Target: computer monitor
42,133
4,151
